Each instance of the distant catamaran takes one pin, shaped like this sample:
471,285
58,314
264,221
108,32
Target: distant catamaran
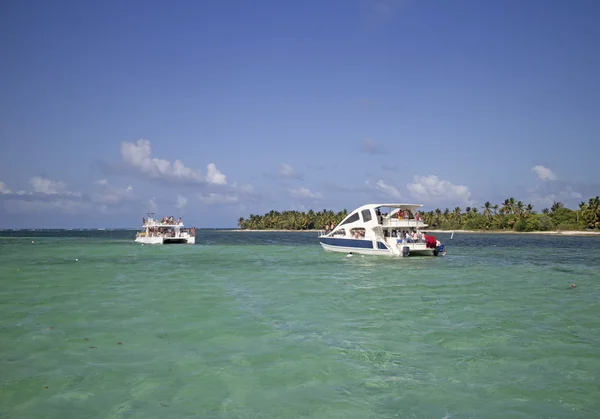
167,230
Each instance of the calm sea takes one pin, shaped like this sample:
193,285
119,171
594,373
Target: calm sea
267,325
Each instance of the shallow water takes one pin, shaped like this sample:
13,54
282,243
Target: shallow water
267,325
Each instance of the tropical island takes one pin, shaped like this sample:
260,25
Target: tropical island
510,216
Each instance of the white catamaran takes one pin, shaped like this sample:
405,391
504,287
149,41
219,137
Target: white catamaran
167,230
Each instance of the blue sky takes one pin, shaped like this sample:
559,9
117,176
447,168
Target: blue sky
215,110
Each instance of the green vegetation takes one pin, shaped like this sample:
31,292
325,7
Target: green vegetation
292,220
517,216
511,215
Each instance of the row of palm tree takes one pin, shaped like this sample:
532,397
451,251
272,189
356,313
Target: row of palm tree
510,215
292,220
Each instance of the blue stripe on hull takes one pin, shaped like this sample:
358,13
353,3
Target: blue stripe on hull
353,243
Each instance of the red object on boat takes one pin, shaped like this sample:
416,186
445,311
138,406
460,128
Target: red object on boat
430,242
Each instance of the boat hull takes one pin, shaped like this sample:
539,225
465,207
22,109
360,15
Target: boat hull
373,247
389,229
165,240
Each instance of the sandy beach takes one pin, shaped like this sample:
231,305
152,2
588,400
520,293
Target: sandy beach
554,232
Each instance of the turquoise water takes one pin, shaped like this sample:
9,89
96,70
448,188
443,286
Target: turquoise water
267,325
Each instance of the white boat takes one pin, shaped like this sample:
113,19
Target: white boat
167,230
369,230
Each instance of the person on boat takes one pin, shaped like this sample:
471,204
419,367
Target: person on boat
431,242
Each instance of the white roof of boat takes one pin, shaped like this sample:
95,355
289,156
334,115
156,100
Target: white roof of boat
407,206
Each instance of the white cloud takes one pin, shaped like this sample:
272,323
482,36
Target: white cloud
568,196
543,173
110,195
385,190
245,189
53,196
286,170
217,199
181,202
432,190
67,206
303,193
139,157
50,187
4,189
215,177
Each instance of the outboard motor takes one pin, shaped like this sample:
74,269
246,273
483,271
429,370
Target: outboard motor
442,248
436,251
405,251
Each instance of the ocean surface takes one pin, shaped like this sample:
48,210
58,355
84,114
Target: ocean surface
268,325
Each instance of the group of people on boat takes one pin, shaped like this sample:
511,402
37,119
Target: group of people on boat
405,236
164,220
168,232
407,215
358,233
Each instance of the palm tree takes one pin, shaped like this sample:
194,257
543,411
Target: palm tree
429,217
506,207
456,214
591,212
495,208
556,206
513,204
438,215
487,210
519,209
529,209
495,216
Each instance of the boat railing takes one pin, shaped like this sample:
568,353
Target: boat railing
395,222
153,223
409,241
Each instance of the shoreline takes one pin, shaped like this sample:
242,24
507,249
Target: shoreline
554,232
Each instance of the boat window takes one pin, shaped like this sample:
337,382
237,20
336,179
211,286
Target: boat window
351,219
358,233
366,214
